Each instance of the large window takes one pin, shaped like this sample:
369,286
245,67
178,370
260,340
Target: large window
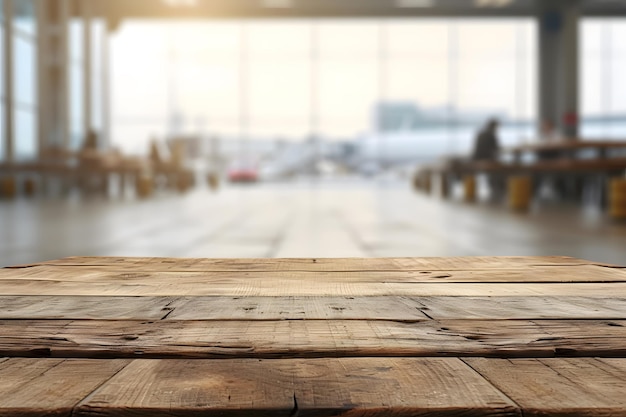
428,83
2,92
76,73
98,39
602,83
24,79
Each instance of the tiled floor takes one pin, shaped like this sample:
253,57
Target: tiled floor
351,218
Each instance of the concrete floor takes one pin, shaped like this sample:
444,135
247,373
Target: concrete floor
349,218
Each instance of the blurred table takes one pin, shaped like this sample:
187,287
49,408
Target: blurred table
566,148
393,336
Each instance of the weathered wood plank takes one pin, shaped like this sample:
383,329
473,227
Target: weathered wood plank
316,387
209,308
46,387
84,307
318,264
398,308
312,338
296,308
311,308
563,387
239,287
523,307
538,274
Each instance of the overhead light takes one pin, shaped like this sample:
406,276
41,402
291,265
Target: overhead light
277,4
414,3
492,3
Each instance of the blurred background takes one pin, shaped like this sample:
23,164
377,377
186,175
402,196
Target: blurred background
312,128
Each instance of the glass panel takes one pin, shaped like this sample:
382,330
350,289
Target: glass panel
174,74
416,93
98,37
98,27
76,106
527,77
279,79
279,39
348,39
432,69
602,85
347,77
25,139
76,39
591,80
24,16
617,84
2,144
279,98
1,58
24,82
487,79
348,92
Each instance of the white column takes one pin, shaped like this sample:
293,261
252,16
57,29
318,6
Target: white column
8,80
86,13
568,93
105,72
62,85
558,63
43,69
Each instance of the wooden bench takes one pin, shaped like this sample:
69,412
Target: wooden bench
567,149
504,336
90,171
565,164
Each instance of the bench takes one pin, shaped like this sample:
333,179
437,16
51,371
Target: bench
598,169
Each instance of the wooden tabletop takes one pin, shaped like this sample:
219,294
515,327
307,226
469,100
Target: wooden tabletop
320,337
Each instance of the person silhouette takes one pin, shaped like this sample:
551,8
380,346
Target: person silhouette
486,146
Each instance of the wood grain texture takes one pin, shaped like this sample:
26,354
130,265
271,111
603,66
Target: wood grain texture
315,387
197,285
502,308
318,264
563,387
84,307
296,308
38,387
393,308
312,338
531,274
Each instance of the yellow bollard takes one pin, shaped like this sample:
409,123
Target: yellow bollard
184,181
469,186
8,188
214,182
417,181
144,186
29,187
520,192
444,186
617,198
427,182
181,183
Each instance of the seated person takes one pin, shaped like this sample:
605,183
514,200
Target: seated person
486,146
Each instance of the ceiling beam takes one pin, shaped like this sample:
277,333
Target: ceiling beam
118,10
